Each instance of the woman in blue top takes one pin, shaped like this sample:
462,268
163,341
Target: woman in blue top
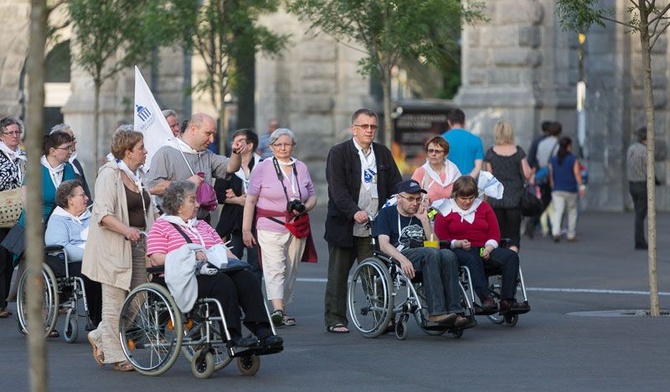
566,183
57,148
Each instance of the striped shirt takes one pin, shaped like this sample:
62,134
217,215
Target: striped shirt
164,238
636,162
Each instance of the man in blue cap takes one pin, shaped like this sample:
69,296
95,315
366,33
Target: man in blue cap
401,230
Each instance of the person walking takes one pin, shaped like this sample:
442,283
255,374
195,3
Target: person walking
636,172
565,178
438,174
280,191
12,171
361,176
115,252
466,148
508,163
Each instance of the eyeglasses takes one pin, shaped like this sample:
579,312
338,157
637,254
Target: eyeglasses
367,126
282,145
433,151
412,199
15,133
79,195
68,148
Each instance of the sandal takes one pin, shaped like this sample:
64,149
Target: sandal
123,366
54,334
289,321
98,355
278,318
337,328
4,313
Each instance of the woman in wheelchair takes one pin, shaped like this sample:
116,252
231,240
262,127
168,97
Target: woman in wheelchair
406,224
234,289
68,227
470,225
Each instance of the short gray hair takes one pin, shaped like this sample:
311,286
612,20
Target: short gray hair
175,195
282,132
60,128
169,112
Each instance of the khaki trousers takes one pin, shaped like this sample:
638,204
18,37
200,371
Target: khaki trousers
106,336
280,255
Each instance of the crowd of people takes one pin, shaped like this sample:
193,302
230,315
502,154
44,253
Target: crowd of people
136,219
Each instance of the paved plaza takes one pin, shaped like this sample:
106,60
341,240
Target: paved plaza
561,345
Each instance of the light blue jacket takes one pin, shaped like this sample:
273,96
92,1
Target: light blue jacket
68,231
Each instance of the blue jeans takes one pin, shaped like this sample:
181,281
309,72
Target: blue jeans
502,260
440,278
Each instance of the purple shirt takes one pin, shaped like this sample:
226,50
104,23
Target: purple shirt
265,184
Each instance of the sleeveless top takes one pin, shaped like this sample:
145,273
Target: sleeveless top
508,170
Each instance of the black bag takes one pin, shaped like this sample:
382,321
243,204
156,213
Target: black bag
531,205
15,241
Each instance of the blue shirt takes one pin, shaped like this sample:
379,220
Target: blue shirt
564,175
464,149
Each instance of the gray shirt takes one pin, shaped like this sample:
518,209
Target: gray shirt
636,162
546,149
169,164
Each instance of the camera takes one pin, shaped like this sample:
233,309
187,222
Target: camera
296,205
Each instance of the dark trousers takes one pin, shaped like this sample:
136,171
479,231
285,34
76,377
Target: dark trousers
509,220
93,293
237,247
340,261
638,191
533,221
439,269
235,290
502,260
6,270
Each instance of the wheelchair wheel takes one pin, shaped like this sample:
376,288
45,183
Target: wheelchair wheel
195,331
421,315
71,328
249,364
369,297
401,330
49,305
511,319
202,364
150,329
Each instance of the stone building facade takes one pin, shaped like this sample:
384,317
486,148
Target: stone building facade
521,67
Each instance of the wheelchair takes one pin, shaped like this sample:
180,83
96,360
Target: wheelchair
153,331
511,318
62,294
380,296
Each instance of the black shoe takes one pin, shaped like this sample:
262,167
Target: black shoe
272,342
644,246
249,341
511,306
557,238
463,322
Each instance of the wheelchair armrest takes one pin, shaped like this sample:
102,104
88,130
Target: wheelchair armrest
53,248
156,269
445,244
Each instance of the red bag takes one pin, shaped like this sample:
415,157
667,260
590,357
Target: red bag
206,196
299,226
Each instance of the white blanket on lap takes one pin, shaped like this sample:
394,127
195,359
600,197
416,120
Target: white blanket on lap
180,268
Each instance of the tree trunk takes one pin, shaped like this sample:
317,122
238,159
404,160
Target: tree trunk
96,124
651,175
35,252
388,123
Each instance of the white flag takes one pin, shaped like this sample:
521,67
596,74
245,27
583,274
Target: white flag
149,119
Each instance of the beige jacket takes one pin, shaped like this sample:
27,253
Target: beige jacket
107,256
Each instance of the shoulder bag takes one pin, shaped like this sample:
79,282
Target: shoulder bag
10,207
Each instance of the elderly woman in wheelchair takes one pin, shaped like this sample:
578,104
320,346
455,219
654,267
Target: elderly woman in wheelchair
401,230
471,227
200,314
234,289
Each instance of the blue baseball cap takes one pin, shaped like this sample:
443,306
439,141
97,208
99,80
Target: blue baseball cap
409,186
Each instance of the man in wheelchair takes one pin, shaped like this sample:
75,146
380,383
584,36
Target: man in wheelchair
401,230
471,227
